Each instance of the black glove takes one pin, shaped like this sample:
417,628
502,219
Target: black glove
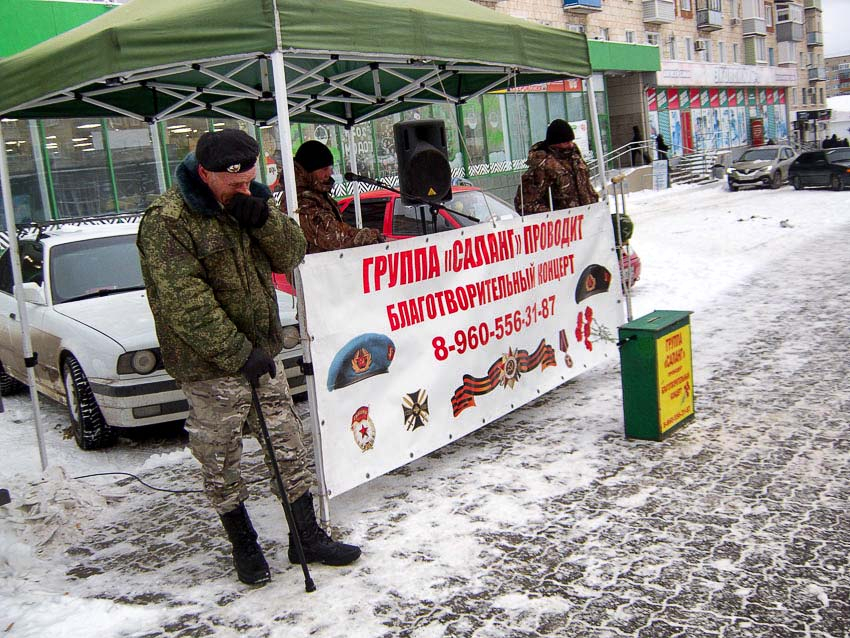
258,364
250,212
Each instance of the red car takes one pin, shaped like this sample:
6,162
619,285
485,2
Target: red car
383,210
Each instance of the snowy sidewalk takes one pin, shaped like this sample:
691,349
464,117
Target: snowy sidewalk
546,523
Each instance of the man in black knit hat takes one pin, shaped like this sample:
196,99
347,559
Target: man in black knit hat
318,212
208,247
557,176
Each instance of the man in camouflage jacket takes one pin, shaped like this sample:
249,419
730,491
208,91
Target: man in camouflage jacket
556,169
318,212
208,247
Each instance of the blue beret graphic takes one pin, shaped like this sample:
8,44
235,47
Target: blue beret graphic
362,357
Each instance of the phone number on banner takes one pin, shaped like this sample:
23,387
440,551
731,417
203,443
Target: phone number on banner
503,326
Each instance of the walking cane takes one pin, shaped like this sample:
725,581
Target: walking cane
309,585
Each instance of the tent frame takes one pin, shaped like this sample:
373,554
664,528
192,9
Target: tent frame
302,96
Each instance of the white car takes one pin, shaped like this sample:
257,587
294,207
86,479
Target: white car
93,331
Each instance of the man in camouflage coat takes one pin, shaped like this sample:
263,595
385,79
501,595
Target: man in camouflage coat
557,170
208,247
318,212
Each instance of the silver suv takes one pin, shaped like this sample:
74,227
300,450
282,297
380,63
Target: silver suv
761,166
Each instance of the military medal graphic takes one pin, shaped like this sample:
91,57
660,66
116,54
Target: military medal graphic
415,408
363,429
504,372
564,346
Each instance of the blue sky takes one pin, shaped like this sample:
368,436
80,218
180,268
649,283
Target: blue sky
836,27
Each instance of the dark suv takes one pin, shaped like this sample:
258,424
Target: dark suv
829,167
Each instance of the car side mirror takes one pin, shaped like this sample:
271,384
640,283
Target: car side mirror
34,293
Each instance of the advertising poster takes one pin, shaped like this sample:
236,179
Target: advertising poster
675,378
675,133
419,342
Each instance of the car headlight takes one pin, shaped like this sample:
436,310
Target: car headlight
291,337
768,168
730,170
138,361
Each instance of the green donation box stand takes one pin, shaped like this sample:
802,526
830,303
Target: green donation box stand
657,373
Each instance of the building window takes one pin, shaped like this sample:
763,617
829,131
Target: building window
768,15
685,5
671,47
605,33
793,95
652,38
804,92
707,50
735,52
689,49
721,52
771,57
821,95
576,28
630,37
761,49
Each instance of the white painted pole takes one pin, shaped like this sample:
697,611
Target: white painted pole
597,137
157,157
282,105
352,166
11,229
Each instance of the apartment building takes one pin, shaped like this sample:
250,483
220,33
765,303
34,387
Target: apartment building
726,66
837,75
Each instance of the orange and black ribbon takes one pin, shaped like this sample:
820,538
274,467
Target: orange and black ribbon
464,396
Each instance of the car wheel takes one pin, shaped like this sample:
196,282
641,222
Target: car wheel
776,180
733,187
90,428
797,183
9,385
835,183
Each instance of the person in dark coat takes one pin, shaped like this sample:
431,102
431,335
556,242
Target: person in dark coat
661,147
636,144
556,174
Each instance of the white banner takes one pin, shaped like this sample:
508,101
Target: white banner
419,342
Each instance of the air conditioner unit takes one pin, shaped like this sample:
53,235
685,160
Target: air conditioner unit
736,22
699,45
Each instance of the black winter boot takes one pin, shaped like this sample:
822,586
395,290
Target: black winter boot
248,559
317,545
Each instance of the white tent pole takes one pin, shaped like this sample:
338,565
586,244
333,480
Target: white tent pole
157,156
288,168
282,105
597,137
352,166
12,231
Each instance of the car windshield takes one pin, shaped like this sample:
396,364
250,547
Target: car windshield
94,267
754,154
479,205
838,155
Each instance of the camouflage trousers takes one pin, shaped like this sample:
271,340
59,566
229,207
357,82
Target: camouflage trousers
218,408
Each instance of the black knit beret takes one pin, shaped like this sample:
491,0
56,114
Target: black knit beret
558,132
229,150
313,155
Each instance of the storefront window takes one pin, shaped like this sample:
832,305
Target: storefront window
385,145
538,116
495,121
180,137
133,162
79,167
446,113
29,186
473,132
518,123
557,106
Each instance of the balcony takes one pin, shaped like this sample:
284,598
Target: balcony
814,38
754,26
708,20
658,11
583,6
813,4
789,32
817,74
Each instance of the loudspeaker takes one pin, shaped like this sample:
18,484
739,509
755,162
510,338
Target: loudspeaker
423,164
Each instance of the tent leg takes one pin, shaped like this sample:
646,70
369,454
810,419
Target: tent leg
282,104
352,166
157,157
310,380
597,136
11,229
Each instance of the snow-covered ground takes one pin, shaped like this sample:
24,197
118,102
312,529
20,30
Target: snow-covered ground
508,532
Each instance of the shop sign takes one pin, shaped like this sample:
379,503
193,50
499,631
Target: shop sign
678,73
650,99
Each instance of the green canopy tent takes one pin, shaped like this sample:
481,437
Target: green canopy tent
277,61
